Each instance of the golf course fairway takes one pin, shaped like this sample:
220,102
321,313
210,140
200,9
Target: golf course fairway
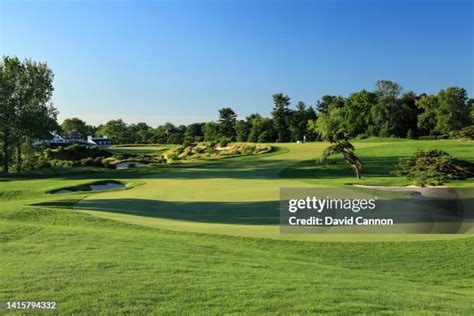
240,196
202,237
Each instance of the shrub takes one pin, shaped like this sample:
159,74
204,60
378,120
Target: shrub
57,163
179,150
172,156
362,136
430,137
467,132
87,161
433,167
75,152
108,163
199,150
187,142
249,150
224,141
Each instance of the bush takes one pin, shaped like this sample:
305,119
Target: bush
172,156
75,152
86,161
108,163
467,132
362,136
57,163
430,137
187,142
199,150
209,150
433,167
179,150
97,162
224,141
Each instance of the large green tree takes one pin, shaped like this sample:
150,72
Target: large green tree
75,127
26,112
299,121
117,131
427,106
242,130
385,112
357,109
140,133
211,131
194,133
227,119
281,116
328,101
452,112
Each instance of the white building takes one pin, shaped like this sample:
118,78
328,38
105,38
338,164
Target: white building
102,142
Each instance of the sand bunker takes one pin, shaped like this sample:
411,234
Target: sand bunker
62,191
418,192
97,186
128,164
106,186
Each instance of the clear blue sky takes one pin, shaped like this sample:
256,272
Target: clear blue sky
180,61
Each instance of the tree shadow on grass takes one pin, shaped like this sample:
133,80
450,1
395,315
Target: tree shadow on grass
338,168
251,213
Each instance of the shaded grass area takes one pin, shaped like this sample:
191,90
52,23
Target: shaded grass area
92,265
253,213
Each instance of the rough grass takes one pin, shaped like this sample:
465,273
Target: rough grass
51,250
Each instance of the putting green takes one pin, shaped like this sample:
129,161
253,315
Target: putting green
239,196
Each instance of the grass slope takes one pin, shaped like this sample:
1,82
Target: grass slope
95,265
232,196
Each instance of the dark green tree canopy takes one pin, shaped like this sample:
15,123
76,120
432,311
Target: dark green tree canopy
281,116
227,119
26,112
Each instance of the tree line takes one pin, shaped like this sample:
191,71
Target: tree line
384,112
26,114
284,125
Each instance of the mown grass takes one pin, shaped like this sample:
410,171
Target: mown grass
51,249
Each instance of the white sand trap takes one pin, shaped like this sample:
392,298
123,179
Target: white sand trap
63,191
222,148
106,186
93,187
126,164
420,192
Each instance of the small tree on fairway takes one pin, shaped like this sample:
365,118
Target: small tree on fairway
347,150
